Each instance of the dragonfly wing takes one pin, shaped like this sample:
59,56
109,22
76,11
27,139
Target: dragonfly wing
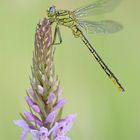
97,7
104,26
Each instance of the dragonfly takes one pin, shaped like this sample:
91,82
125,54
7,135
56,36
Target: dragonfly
74,20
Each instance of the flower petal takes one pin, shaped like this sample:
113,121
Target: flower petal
29,101
59,105
62,138
26,129
50,117
35,134
36,108
40,89
63,126
51,98
22,124
29,116
60,90
69,122
24,135
31,92
44,133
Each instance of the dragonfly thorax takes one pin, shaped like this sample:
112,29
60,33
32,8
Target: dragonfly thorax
61,17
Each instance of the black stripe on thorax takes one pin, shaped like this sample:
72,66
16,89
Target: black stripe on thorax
62,13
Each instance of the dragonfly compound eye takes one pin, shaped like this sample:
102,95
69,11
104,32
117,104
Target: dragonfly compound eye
52,10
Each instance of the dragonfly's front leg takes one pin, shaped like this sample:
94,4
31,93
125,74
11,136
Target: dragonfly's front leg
57,32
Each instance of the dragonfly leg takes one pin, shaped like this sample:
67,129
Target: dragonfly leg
57,33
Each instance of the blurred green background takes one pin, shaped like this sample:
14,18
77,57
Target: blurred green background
103,112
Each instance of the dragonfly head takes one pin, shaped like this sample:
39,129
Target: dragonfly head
51,12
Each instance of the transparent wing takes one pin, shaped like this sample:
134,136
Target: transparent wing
104,26
97,7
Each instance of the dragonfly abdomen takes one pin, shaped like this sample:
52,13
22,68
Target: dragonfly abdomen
102,64
78,33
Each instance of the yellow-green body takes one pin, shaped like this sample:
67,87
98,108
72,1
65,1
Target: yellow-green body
67,18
